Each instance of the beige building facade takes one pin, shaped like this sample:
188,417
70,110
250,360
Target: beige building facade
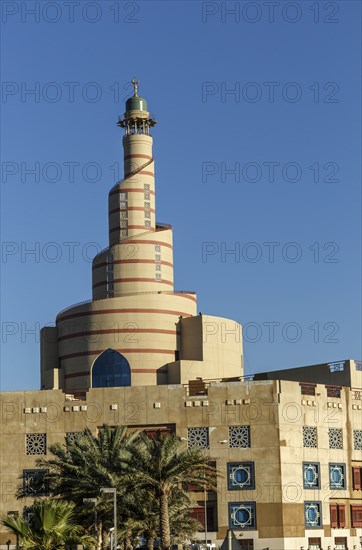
288,444
289,453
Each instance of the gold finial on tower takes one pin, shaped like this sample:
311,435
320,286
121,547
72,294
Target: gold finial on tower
135,87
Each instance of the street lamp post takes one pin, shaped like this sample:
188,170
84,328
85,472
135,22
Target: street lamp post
113,490
205,516
111,535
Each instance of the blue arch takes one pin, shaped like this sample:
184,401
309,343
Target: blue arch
111,369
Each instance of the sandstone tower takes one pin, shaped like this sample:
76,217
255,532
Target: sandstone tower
137,329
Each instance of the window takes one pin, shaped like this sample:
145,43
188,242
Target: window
358,365
198,513
147,214
124,223
314,543
197,387
198,437
111,369
356,477
340,543
158,257
312,515
311,477
242,515
337,476
357,440
333,391
239,436
310,436
307,389
337,366
124,196
158,276
123,204
157,248
147,223
146,186
246,544
356,516
241,475
110,267
36,444
158,267
109,258
158,433
337,514
147,205
124,233
147,196
35,483
110,277
335,438
123,213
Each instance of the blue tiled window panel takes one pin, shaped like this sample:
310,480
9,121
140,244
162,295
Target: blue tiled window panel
313,514
242,515
337,476
241,475
311,477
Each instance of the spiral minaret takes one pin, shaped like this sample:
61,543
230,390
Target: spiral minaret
135,320
134,261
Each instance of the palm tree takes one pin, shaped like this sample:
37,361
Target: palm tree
182,525
79,469
159,466
50,526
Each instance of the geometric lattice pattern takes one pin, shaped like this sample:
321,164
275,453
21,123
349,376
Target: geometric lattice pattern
335,438
312,514
311,478
35,483
357,440
198,437
28,513
36,444
239,436
337,476
70,437
242,515
310,436
241,475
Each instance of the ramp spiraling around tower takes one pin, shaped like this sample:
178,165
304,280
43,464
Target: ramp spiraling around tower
135,311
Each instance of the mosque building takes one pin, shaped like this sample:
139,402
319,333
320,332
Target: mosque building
288,444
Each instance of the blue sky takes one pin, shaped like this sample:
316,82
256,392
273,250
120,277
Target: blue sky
271,93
